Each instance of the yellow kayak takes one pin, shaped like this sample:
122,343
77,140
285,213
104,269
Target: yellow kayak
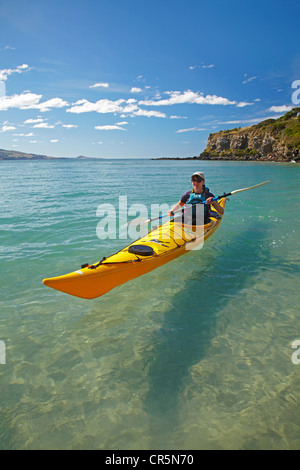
161,245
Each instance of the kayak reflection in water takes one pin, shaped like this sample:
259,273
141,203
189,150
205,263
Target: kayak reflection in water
198,198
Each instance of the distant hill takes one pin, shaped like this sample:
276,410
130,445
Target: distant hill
272,139
14,155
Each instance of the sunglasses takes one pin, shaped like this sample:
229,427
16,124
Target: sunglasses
197,179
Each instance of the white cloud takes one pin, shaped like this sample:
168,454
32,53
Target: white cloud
143,112
102,106
110,128
176,97
178,117
33,121
135,89
6,72
280,109
242,104
54,141
69,126
246,121
7,48
105,106
28,100
249,79
52,103
6,128
44,125
131,109
192,129
193,67
25,100
30,134
100,85
123,123
22,101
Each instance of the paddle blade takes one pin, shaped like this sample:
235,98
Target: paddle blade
251,187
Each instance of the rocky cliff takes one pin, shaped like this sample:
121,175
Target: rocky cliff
273,139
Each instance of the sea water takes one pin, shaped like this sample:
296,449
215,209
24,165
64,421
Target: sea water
198,354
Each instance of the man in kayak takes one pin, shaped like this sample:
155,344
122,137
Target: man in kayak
198,194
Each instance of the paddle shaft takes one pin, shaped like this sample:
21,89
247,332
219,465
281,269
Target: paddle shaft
239,191
214,199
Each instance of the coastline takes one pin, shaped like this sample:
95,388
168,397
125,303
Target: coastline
245,158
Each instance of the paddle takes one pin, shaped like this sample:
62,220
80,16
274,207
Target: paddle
142,221
239,191
148,221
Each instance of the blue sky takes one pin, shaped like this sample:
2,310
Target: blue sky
137,79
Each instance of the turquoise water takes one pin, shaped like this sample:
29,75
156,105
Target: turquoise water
194,355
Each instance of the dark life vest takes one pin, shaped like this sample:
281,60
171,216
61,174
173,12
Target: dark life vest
199,199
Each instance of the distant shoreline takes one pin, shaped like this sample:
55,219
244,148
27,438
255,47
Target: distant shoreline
13,155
